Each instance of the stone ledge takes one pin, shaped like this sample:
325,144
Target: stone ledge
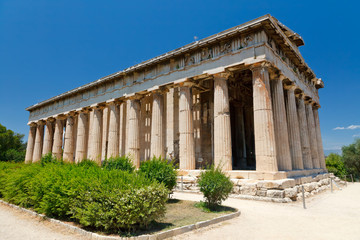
157,236
270,190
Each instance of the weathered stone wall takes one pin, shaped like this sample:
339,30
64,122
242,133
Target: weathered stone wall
284,190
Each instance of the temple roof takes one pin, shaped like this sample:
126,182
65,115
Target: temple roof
290,41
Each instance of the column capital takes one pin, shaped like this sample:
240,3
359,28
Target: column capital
260,66
134,96
59,116
188,84
50,120
316,105
97,106
112,101
32,124
40,123
290,87
308,100
223,75
70,114
83,110
158,89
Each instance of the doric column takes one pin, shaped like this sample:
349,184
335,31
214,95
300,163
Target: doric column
68,155
96,135
122,128
170,124
30,143
38,141
82,135
89,140
48,136
294,130
265,147
312,134
113,137
133,132
280,125
58,137
105,132
304,133
157,133
186,129
222,127
319,139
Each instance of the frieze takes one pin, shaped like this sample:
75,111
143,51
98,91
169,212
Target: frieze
215,50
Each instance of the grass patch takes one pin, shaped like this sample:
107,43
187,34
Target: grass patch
180,213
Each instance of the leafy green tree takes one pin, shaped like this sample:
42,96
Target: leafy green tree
12,147
351,158
335,164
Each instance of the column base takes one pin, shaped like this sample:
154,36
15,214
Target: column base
256,175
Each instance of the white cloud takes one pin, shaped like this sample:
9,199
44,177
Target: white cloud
356,135
351,127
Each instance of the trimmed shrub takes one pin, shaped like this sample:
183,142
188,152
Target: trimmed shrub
87,163
95,197
49,158
121,163
160,170
215,186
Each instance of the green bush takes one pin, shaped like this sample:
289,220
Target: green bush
49,158
160,170
121,163
87,163
95,197
215,186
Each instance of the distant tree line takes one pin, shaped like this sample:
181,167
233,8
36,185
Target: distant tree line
12,147
347,163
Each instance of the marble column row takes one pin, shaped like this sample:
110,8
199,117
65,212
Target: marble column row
296,126
286,128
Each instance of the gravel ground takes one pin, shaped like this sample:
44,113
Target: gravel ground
15,224
328,216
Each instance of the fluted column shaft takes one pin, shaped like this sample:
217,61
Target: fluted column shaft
96,136
186,130
319,139
222,127
82,137
58,138
38,142
170,124
48,137
90,135
304,134
280,125
105,132
30,143
157,135
133,132
68,155
312,134
294,130
122,128
265,147
113,137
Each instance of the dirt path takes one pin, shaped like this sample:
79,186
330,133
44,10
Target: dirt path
15,224
329,216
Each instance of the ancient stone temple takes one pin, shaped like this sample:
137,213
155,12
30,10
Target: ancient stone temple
243,99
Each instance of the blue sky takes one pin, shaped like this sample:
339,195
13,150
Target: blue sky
49,47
